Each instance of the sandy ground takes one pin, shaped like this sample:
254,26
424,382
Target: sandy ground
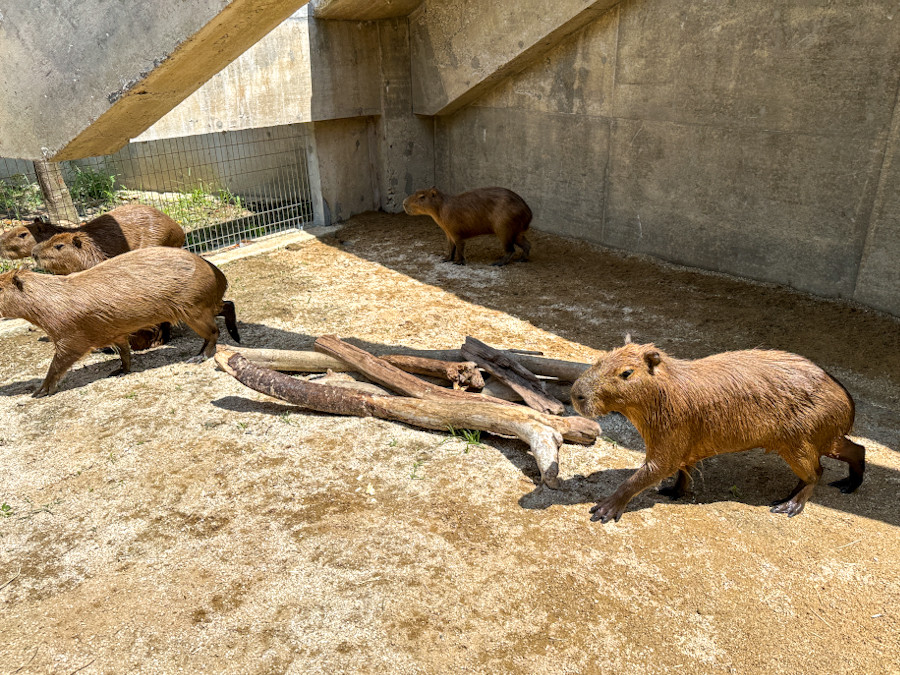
173,521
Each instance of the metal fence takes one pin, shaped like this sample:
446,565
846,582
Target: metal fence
222,188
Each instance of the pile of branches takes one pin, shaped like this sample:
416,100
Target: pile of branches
475,387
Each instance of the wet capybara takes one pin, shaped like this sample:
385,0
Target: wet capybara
106,303
687,411
125,228
492,210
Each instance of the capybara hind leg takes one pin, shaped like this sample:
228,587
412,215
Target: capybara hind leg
855,455
525,245
230,319
207,329
61,363
123,349
613,507
809,469
679,488
510,251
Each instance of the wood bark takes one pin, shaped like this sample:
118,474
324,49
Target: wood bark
464,374
393,378
56,193
561,391
295,361
516,376
543,433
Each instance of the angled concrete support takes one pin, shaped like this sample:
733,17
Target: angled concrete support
461,49
81,79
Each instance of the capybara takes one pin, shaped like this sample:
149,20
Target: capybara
106,303
687,411
125,228
491,210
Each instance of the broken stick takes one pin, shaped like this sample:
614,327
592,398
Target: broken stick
511,373
461,373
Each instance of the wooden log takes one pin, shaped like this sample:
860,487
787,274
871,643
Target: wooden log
464,374
393,378
561,391
543,433
295,361
512,373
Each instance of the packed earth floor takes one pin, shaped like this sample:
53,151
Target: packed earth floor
173,521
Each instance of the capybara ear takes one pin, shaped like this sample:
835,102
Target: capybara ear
76,241
17,282
627,338
652,358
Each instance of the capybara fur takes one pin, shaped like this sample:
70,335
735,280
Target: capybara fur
125,228
491,210
687,411
106,303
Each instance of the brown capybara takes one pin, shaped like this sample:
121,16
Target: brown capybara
125,228
492,210
105,304
687,411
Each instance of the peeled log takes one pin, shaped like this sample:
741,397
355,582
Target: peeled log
295,361
543,433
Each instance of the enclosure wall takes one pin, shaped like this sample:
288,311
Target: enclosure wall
757,139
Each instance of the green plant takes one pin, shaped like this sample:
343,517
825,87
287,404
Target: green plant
89,185
415,469
19,196
472,437
5,510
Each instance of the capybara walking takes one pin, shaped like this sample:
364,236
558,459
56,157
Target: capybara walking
687,411
491,210
105,304
125,228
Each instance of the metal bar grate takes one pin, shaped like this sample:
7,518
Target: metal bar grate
222,188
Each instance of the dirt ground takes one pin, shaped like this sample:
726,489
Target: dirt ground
173,521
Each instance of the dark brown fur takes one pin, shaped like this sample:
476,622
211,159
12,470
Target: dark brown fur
492,210
687,411
125,228
105,304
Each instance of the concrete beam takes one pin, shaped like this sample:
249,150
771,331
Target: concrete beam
303,71
81,79
362,10
461,49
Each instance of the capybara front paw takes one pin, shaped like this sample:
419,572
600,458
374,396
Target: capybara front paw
606,511
40,393
200,358
460,262
788,506
118,372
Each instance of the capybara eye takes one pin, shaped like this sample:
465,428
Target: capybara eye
625,374
59,247
23,235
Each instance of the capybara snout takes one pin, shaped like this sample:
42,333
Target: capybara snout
687,411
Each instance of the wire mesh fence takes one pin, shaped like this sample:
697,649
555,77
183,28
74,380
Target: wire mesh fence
222,188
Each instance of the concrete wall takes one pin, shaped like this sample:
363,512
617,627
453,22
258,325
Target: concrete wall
750,138
81,78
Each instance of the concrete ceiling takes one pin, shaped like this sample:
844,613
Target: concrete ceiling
362,10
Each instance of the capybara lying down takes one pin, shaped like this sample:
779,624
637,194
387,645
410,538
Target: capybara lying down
125,228
687,411
491,210
105,304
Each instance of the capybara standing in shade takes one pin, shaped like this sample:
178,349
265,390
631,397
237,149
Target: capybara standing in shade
492,210
105,304
125,228
687,411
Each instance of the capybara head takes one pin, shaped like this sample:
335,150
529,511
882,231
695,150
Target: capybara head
18,242
423,202
619,379
67,252
11,286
